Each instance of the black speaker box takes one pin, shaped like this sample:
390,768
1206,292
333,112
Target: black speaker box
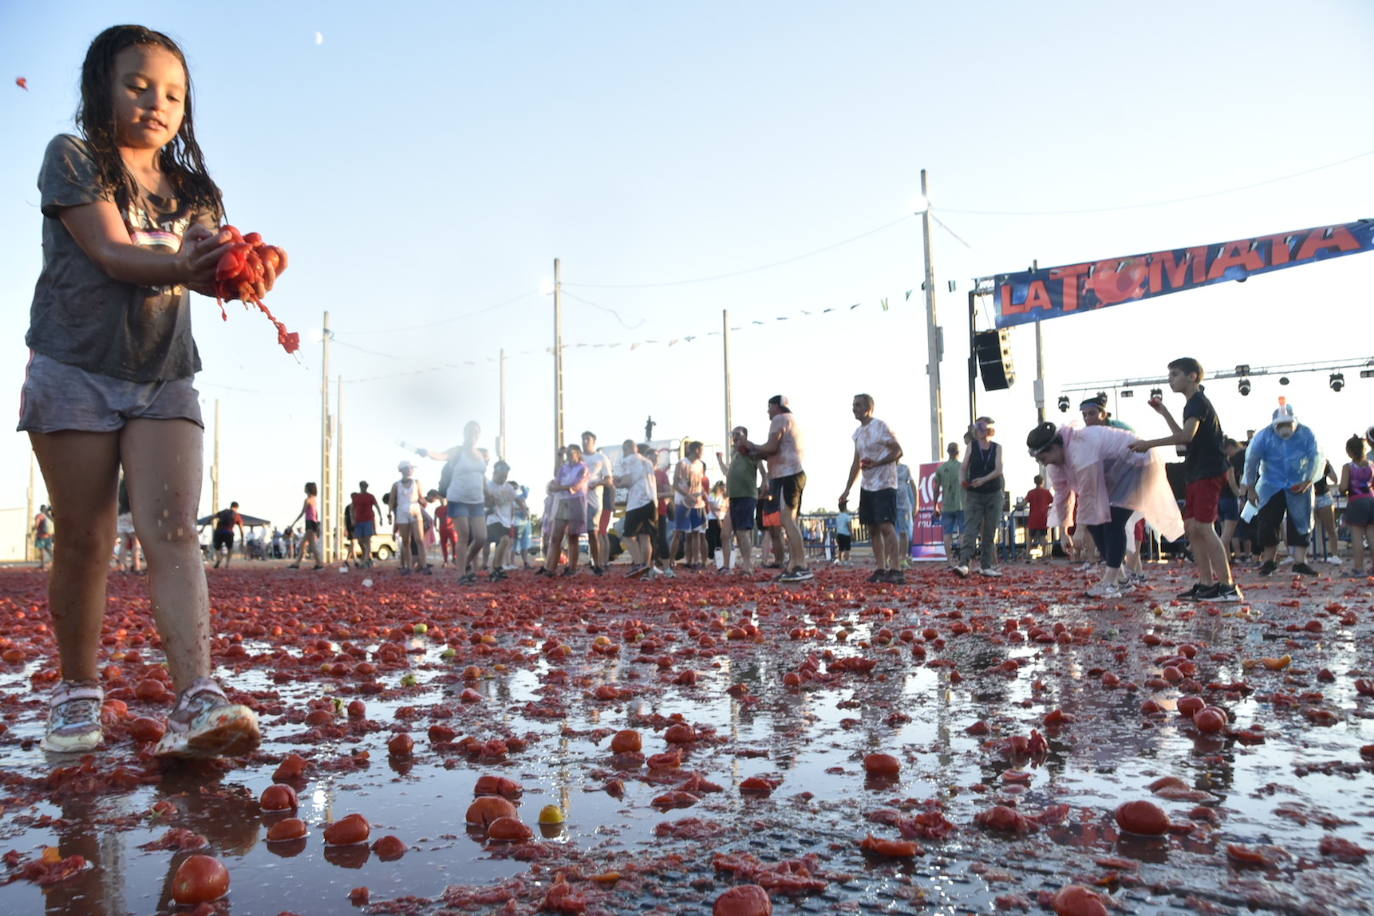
994,359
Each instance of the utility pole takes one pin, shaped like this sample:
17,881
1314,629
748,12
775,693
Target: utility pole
501,437
725,353
557,360
933,334
340,533
214,466
326,448
30,551
1039,363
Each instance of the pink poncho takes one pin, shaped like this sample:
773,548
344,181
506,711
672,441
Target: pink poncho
1101,471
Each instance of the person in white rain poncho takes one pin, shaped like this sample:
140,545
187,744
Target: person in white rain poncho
1095,468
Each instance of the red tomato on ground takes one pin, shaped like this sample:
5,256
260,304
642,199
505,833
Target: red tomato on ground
200,879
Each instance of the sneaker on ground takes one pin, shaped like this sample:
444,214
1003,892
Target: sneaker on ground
989,571
1104,591
800,574
879,575
1194,593
204,723
1303,569
74,718
896,577
1334,560
637,572
668,571
1288,558
1228,594
1267,567
961,571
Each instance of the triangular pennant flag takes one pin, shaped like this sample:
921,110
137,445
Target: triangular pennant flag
689,338
854,306
673,341
831,309
758,322
884,303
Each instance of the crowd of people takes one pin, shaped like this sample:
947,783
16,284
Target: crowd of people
1101,493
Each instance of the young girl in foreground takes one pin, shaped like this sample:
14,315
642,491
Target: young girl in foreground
131,224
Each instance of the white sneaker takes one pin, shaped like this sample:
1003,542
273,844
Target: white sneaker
960,570
1334,560
1104,591
74,718
990,571
205,724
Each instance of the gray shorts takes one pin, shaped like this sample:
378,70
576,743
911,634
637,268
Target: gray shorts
57,397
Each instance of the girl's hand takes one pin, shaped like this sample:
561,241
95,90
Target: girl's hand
200,252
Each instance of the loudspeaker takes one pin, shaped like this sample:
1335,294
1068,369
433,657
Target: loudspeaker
994,359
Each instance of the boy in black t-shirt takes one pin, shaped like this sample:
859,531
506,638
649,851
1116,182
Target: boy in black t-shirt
1204,473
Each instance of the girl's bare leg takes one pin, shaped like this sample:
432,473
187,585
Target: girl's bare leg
162,465
81,471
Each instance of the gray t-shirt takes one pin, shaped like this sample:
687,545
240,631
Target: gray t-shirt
83,317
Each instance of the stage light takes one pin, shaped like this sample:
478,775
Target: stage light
1367,373
1243,386
1283,380
1102,398
1128,393
1063,403
1156,393
1243,369
1337,381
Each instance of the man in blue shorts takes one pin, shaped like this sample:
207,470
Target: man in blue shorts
948,496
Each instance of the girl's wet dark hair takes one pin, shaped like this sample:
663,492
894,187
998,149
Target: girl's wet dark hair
1354,446
1043,436
181,160
311,489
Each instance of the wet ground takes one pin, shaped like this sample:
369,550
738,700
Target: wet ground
1015,692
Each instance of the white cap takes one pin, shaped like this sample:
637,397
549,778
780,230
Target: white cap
405,466
1284,414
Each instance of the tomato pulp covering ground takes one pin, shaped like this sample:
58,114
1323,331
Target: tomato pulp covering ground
1022,716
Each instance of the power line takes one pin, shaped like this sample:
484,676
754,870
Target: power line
748,270
1161,203
613,312
442,321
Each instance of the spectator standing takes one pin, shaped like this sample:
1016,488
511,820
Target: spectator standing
1281,465
403,507
635,473
465,472
844,533
365,511
906,508
947,495
600,502
1204,475
1357,483
982,481
1324,511
663,486
42,536
447,531
785,453
1038,501
569,490
689,498
876,453
742,490
717,512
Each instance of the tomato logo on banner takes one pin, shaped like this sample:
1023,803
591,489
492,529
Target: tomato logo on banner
927,537
1033,295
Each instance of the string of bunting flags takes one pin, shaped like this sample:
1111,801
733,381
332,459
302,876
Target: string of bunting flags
883,304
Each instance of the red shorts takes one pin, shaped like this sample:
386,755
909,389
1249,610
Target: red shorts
604,523
1200,499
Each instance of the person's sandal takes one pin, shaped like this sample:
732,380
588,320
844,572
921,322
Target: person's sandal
204,723
74,718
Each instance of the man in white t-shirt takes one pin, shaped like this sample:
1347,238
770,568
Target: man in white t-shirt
689,506
635,473
784,451
600,502
876,453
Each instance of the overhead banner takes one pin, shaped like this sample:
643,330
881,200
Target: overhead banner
1053,292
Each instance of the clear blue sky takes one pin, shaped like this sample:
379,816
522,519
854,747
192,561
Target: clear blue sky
427,162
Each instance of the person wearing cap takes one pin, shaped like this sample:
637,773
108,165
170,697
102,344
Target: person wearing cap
1281,465
403,507
365,511
983,484
783,449
1095,470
